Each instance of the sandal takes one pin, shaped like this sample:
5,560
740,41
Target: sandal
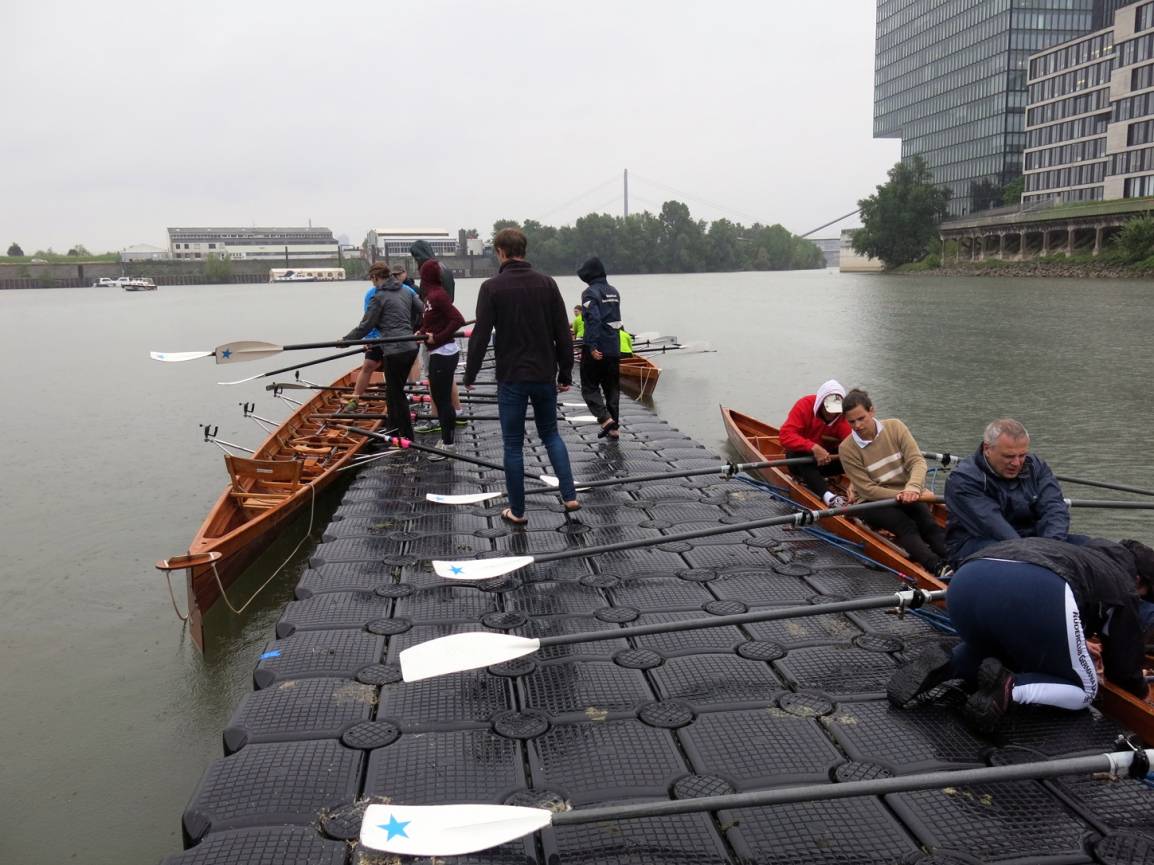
572,506
608,428
508,516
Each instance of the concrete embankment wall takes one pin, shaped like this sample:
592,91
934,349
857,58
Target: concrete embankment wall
186,272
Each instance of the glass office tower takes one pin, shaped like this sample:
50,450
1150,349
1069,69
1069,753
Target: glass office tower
950,82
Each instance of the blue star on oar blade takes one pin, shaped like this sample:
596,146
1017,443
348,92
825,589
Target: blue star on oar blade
457,569
226,354
394,827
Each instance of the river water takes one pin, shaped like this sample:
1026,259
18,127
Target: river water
109,715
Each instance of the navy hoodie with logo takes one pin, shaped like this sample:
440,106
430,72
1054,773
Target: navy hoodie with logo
601,309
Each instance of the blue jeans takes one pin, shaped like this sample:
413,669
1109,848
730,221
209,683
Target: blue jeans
513,399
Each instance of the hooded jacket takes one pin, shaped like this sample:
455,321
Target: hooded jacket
422,252
804,427
393,311
1102,576
600,309
533,343
985,507
441,318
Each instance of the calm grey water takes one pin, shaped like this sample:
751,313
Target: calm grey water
109,716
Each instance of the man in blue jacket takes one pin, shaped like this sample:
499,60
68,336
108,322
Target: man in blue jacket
1003,492
601,351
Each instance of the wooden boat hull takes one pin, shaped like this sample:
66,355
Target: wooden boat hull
639,373
757,440
240,536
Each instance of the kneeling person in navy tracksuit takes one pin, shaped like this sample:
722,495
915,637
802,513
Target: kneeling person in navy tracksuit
1023,609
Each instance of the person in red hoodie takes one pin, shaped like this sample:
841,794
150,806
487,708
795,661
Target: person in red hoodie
815,427
440,321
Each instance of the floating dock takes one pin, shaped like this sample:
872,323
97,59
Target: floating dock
330,726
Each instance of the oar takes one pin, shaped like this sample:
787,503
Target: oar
411,445
573,418
470,651
687,347
1123,488
453,830
727,470
487,569
300,385
243,350
296,366
1109,504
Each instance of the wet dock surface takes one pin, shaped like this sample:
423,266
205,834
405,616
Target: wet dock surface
330,726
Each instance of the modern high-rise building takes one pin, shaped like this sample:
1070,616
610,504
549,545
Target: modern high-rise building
1090,115
950,82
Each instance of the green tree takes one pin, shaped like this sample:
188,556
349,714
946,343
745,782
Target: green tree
1012,191
1135,241
217,269
15,249
504,223
902,217
80,250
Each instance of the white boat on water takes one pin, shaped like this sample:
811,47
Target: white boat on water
106,282
136,283
306,274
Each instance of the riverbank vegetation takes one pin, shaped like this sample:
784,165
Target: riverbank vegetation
900,221
671,241
1129,253
77,254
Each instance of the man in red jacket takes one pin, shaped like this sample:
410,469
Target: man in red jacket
815,427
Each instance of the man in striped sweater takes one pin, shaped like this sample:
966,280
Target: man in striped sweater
883,461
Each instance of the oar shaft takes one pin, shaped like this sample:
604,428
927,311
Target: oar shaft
727,468
381,340
311,362
1113,505
1122,488
406,444
799,518
1112,763
912,599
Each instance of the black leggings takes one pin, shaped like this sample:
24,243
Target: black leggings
441,369
915,529
396,374
813,475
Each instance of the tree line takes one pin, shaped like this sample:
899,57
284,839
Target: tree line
669,242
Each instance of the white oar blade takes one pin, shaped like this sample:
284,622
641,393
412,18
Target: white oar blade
549,480
461,498
647,336
238,352
581,418
178,356
243,380
458,652
447,830
480,569
573,404
694,346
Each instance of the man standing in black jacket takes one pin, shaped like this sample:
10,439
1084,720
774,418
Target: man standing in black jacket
534,352
1023,609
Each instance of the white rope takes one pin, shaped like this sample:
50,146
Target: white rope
281,567
172,597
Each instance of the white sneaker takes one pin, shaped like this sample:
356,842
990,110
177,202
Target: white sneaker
441,446
838,502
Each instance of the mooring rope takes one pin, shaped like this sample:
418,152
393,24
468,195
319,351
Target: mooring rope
281,567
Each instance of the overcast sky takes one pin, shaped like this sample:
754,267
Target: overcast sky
123,117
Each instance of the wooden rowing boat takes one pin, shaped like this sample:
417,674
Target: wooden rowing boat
293,465
756,440
639,373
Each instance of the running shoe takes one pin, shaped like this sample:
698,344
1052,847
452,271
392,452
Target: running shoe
988,705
